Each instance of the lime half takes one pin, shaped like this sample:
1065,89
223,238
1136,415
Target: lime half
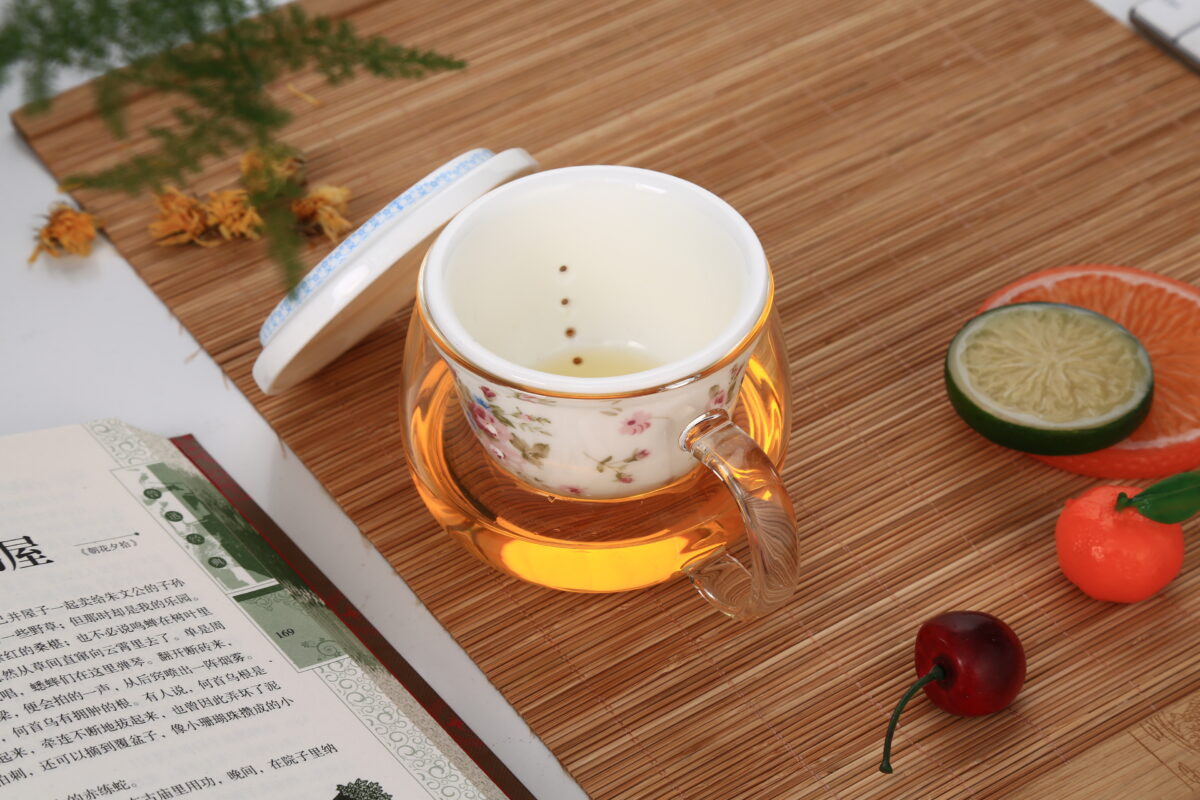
1048,378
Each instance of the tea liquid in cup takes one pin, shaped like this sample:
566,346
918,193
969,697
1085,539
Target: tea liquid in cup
570,543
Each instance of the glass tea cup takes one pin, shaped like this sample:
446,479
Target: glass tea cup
584,343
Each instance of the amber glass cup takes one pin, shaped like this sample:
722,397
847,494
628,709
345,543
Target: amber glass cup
595,392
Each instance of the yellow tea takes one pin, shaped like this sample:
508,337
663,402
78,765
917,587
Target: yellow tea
577,544
598,362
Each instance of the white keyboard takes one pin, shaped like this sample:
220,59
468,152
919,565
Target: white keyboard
1173,25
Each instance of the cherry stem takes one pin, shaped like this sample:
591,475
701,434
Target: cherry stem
934,674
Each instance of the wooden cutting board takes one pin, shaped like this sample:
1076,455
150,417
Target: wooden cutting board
900,160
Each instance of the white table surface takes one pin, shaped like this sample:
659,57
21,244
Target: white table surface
84,338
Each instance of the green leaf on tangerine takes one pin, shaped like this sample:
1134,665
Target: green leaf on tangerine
1169,501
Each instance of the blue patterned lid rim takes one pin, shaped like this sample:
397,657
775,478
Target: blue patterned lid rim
329,265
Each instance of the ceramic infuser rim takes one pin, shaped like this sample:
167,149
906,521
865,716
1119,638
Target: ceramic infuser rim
465,350
747,342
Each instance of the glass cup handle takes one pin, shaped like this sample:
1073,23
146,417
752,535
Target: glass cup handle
745,591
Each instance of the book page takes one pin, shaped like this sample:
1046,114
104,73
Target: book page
152,646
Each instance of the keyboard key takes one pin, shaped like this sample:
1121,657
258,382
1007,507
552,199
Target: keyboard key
1188,46
1168,19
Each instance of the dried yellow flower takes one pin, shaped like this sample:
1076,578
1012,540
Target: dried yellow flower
260,170
230,214
321,212
182,218
66,230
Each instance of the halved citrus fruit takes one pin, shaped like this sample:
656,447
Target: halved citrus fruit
1164,314
1049,378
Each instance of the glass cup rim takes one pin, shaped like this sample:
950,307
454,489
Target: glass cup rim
452,339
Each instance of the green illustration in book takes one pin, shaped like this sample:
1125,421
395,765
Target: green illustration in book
220,540
217,537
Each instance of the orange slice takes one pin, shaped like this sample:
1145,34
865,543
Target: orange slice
1164,314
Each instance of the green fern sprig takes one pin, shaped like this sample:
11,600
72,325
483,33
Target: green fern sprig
217,56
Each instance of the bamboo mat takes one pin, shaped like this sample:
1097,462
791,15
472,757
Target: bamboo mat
900,160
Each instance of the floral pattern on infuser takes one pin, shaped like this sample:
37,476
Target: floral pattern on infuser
541,440
717,397
500,430
635,423
619,468
487,422
533,453
533,398
720,396
735,377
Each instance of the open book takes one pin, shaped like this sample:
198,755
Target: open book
161,638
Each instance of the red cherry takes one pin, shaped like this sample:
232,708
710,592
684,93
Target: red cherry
983,662
968,663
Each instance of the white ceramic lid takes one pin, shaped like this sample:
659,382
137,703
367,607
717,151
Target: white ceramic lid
355,288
